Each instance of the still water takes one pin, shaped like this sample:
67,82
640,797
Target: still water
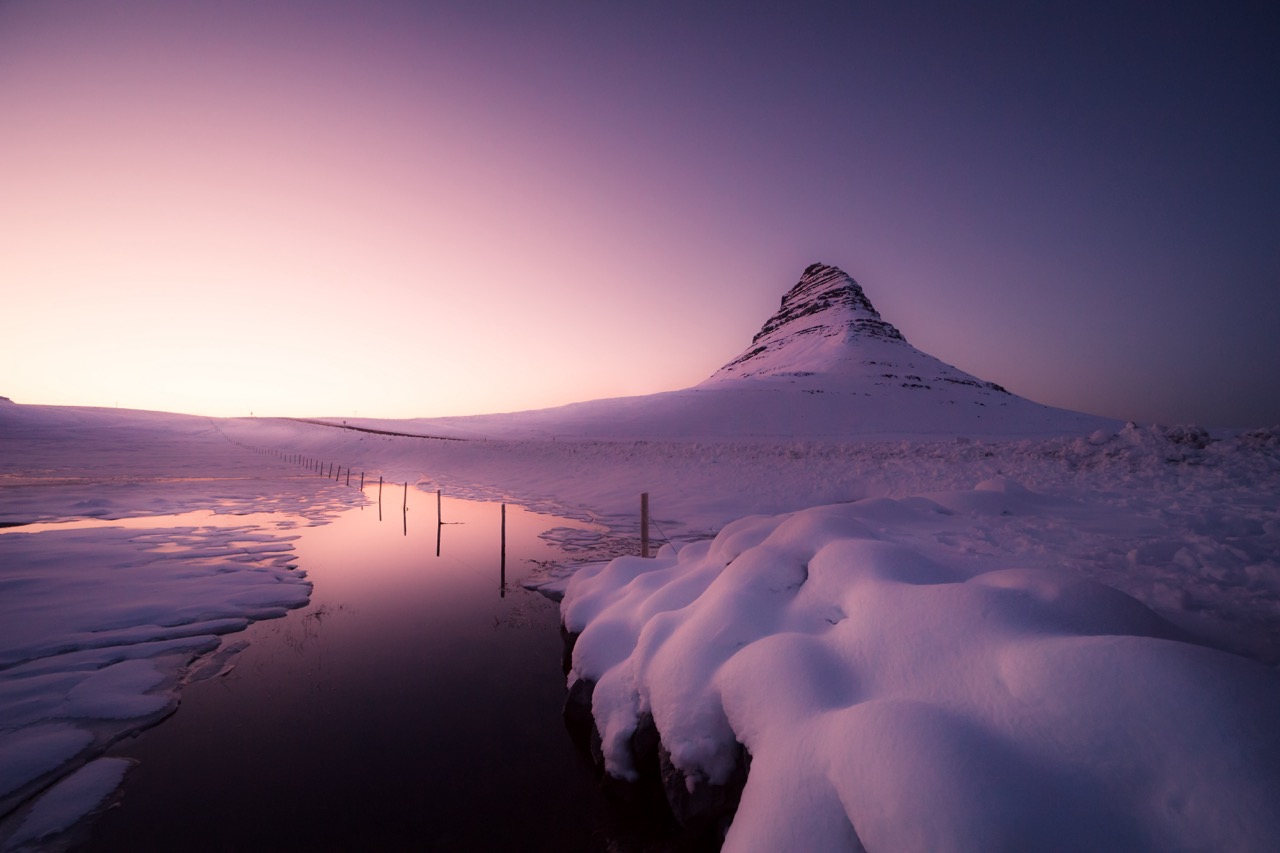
415,704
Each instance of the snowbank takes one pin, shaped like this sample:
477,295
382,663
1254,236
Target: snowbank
894,701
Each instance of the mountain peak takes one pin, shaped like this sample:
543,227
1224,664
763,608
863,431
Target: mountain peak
827,296
819,318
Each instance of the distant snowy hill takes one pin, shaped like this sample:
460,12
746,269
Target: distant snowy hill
826,365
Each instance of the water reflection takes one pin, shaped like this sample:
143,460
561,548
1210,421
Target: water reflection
172,522
388,714
468,512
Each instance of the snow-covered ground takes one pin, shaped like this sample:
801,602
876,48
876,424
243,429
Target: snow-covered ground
935,618
1184,522
899,627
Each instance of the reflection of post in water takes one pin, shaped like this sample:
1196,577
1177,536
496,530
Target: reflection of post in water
439,528
502,571
406,508
379,497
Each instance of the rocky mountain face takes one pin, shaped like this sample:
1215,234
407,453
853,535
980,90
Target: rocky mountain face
826,302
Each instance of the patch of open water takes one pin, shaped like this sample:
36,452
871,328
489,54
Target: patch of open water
414,704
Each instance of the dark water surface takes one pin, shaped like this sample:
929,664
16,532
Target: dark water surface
410,706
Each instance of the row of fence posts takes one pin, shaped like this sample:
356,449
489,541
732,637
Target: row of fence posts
319,466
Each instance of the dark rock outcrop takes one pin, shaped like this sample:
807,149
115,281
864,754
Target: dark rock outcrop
698,805
829,291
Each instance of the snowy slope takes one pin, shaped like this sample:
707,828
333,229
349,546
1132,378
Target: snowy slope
826,365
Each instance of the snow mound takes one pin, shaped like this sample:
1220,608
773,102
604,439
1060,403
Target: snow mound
888,700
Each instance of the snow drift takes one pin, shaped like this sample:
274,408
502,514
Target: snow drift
889,701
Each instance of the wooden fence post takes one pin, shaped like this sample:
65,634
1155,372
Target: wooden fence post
644,524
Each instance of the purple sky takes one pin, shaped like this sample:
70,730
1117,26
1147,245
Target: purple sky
403,209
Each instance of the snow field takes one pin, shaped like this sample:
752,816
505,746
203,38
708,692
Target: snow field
912,662
1183,522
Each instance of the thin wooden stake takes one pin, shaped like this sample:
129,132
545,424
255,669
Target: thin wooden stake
644,524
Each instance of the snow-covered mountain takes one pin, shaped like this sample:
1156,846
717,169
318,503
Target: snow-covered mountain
826,366
828,332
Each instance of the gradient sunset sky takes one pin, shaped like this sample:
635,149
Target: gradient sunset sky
403,209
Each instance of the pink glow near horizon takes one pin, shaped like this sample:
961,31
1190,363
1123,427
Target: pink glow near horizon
399,210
